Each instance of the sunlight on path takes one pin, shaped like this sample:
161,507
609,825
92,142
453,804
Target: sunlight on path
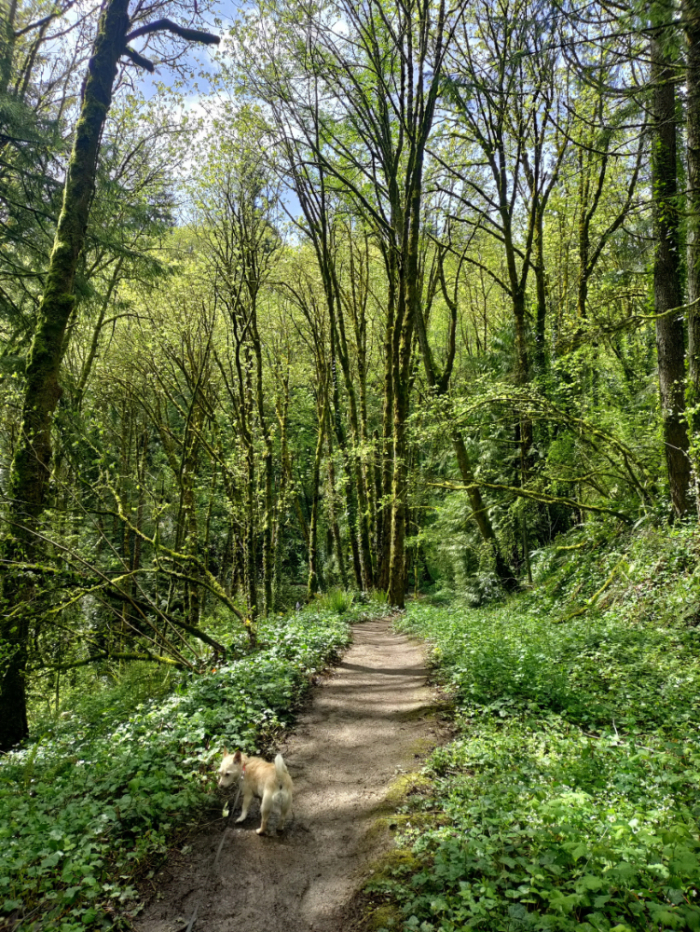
358,733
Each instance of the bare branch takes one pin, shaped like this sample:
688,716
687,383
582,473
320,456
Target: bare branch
139,60
167,25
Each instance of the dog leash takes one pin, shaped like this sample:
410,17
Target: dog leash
232,809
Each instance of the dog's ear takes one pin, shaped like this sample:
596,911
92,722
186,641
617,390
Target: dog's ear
237,757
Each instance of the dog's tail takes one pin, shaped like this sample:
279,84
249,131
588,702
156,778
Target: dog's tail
281,768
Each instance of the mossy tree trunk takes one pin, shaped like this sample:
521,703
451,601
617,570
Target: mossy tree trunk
691,23
32,462
8,11
333,514
385,467
396,588
315,580
670,342
31,467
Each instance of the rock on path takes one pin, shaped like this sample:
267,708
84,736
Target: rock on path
362,728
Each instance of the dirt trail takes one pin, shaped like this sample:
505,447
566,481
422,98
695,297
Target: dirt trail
362,728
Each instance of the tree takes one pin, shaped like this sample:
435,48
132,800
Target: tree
363,100
238,207
668,293
31,465
691,24
511,141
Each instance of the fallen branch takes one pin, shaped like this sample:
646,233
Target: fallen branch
151,658
532,496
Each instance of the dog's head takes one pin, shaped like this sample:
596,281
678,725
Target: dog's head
230,770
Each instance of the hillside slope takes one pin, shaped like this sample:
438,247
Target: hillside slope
569,796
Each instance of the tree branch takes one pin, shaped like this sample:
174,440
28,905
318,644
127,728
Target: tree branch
139,60
100,658
167,25
533,496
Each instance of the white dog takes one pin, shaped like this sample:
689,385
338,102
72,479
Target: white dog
271,783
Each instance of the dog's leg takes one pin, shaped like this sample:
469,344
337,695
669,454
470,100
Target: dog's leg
265,810
247,799
286,808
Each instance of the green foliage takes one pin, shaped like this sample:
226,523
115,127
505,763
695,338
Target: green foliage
336,600
85,805
378,597
569,799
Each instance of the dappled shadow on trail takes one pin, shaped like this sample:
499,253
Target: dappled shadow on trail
363,726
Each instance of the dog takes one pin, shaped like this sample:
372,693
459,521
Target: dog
271,783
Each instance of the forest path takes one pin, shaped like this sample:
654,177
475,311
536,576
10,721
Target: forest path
369,721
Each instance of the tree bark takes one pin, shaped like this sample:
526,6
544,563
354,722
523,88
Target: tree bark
386,450
691,22
31,466
32,461
540,350
396,589
333,516
667,275
314,581
8,11
339,341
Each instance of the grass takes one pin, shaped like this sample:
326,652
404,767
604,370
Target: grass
336,600
88,803
569,797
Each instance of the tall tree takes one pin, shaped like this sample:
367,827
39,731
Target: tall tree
31,465
362,95
238,204
512,140
668,293
691,25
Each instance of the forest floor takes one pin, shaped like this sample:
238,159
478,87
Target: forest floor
371,721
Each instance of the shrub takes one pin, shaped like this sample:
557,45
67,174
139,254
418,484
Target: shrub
84,805
336,600
569,800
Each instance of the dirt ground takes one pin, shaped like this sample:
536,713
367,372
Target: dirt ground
363,728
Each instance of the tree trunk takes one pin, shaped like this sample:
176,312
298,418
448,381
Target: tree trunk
351,502
481,515
333,516
31,466
540,352
356,473
584,238
691,22
251,561
8,11
32,462
385,465
667,275
314,582
396,589
522,378
268,469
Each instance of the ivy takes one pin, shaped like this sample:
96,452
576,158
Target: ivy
569,799
82,809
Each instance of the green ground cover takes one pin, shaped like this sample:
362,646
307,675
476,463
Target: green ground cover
569,798
99,794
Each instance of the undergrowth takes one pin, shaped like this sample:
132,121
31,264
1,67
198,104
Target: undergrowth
570,796
83,806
